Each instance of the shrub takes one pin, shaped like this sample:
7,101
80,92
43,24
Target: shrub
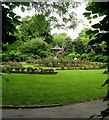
77,55
29,69
14,55
72,55
99,58
84,55
17,69
23,69
36,69
30,60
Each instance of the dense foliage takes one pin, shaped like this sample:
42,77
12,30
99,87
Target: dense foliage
100,32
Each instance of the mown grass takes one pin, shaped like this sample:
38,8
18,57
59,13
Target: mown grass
67,87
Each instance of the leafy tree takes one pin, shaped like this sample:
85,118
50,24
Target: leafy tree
59,39
10,20
68,46
36,46
83,36
100,32
35,26
79,47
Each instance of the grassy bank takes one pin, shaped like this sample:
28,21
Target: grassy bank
67,87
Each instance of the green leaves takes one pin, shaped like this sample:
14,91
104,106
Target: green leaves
89,8
87,14
11,20
12,14
17,17
96,25
95,16
23,9
89,32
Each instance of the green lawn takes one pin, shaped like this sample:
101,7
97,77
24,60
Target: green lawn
67,87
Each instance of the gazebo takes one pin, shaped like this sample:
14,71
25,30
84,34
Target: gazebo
56,48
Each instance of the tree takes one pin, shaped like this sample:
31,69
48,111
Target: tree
79,47
35,26
36,46
59,39
10,20
68,46
46,9
54,11
100,32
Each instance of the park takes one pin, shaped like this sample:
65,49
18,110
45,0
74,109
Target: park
40,68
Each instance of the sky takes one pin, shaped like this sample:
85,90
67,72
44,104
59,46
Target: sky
72,33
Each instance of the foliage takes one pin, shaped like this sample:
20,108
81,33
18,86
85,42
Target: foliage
72,55
15,67
100,31
79,47
10,20
83,56
36,46
68,46
44,12
59,39
66,63
61,9
32,27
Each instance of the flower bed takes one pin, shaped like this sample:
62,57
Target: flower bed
26,70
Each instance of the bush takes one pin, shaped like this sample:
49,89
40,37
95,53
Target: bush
84,55
17,69
23,69
30,60
29,69
100,58
77,55
43,54
72,55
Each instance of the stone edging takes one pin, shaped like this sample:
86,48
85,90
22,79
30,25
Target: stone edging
28,106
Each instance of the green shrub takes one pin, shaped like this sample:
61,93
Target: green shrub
77,55
17,69
29,69
84,55
30,60
23,69
36,70
72,55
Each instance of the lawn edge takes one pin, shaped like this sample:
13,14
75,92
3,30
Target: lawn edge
28,106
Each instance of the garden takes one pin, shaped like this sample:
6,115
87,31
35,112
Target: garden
41,68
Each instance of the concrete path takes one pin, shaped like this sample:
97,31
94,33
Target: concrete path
79,110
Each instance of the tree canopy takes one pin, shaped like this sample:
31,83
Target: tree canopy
50,11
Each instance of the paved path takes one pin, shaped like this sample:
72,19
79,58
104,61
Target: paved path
79,110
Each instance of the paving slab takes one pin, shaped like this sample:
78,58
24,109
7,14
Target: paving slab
79,110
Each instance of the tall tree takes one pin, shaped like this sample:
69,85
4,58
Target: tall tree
35,26
68,46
